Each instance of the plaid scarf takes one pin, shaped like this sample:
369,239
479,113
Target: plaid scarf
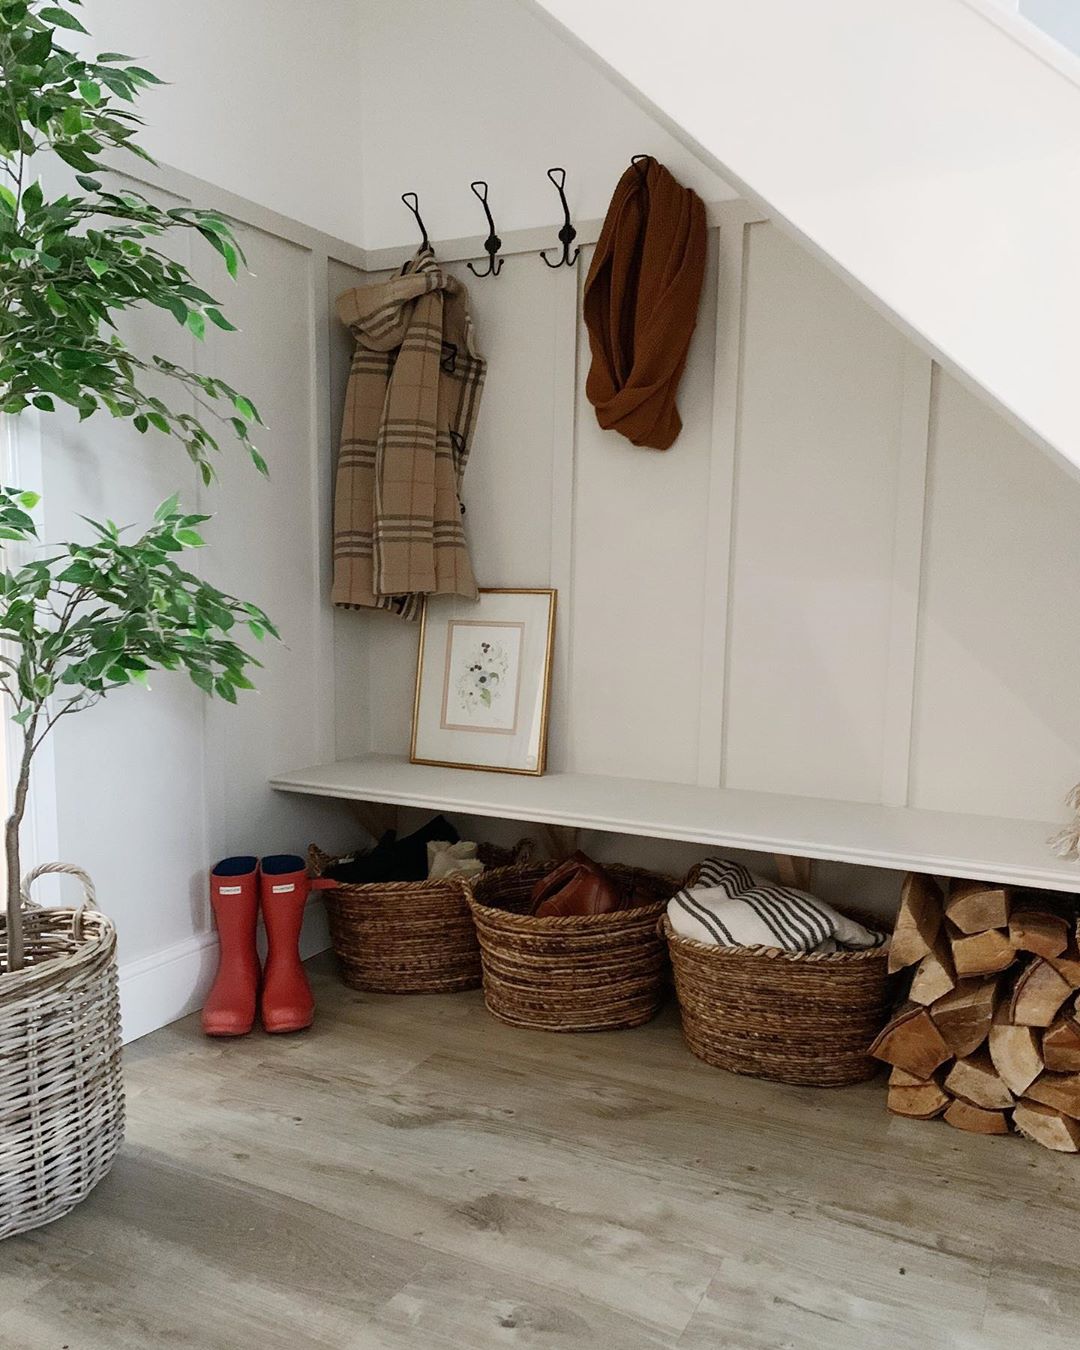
410,412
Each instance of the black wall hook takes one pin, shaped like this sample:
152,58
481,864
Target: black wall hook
414,207
567,234
492,243
641,163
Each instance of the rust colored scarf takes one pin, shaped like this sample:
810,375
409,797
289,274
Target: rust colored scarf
641,299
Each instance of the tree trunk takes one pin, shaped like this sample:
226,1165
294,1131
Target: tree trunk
15,956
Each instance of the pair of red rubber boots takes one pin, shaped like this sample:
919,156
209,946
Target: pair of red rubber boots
239,887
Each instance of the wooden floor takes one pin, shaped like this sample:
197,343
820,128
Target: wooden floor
413,1174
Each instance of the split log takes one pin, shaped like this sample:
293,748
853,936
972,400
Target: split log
1048,1127
934,976
917,923
981,953
1067,966
963,1116
975,906
913,1042
976,1081
1061,1046
1033,930
918,1103
1038,995
1014,1052
964,1016
901,1078
1061,1091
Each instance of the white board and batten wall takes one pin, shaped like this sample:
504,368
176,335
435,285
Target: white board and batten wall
848,579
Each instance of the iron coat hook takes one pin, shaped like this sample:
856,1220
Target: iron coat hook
492,243
567,234
414,207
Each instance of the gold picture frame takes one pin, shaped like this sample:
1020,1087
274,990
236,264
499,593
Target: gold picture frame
494,695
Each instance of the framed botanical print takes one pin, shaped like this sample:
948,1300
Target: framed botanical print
483,681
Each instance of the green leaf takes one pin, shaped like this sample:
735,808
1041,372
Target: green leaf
196,323
44,402
91,91
191,538
215,316
61,18
7,200
28,499
167,508
245,408
87,182
98,267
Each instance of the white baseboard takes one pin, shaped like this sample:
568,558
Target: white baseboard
170,984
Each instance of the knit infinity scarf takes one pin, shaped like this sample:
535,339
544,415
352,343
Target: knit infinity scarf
641,299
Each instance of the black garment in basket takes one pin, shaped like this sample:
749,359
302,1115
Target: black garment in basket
394,859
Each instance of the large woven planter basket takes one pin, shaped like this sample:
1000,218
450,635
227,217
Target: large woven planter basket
405,937
61,1090
790,1017
590,972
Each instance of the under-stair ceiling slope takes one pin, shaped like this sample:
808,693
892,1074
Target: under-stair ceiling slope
928,150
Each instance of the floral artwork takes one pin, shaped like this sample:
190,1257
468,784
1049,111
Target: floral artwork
482,676
484,679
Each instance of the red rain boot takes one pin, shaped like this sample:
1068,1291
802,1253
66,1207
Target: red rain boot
234,894
286,1002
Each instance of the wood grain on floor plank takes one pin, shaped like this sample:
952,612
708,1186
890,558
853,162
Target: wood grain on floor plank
412,1175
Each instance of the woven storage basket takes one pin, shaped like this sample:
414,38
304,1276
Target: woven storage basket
589,972
405,937
787,1016
61,1090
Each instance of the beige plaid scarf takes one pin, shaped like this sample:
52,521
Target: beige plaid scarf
410,412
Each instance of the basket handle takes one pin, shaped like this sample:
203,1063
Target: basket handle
89,900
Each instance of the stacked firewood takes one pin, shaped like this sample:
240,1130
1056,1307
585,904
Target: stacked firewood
989,1036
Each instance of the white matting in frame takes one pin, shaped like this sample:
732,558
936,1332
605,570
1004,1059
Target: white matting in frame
483,681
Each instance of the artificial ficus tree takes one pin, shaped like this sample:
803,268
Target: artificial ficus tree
84,619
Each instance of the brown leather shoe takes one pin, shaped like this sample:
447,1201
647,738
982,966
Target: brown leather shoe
577,886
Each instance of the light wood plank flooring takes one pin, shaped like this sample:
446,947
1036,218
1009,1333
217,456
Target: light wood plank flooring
413,1174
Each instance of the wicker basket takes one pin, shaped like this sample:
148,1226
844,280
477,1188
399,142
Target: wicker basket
791,1017
590,972
403,937
61,1090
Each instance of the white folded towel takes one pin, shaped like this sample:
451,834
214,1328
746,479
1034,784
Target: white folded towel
452,860
730,907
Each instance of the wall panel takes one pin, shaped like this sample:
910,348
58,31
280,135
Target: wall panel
997,725
638,581
811,583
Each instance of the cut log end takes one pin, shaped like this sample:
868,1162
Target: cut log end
1043,1125
975,906
1061,1046
1038,995
912,1041
974,1120
981,953
964,1015
1015,1053
1038,932
976,1080
917,923
922,1102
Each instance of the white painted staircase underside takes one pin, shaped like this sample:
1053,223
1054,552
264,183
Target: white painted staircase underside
928,150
